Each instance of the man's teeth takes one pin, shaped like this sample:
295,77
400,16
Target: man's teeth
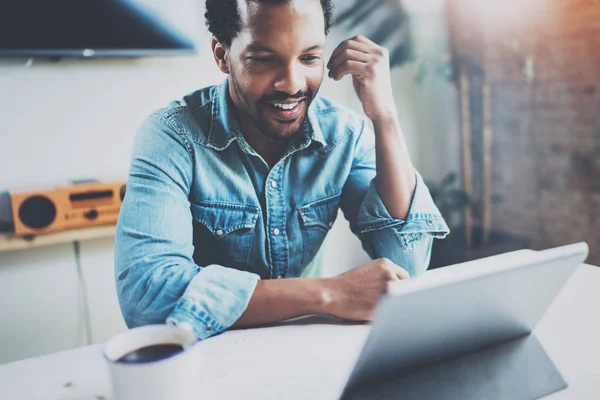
285,106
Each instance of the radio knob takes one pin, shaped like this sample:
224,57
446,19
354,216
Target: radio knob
37,212
92,214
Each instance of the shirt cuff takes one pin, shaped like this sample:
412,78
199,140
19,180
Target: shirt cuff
214,299
423,215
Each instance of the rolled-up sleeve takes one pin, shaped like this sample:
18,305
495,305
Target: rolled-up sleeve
156,277
407,242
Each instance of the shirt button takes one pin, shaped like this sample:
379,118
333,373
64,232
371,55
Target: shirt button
208,328
273,184
330,224
276,232
278,276
429,222
219,232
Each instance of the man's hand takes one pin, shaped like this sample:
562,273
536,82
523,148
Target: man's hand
369,66
352,295
355,293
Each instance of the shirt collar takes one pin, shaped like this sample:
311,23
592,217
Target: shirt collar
313,126
224,128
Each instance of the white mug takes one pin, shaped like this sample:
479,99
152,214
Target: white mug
174,377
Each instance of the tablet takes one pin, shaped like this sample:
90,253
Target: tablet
462,308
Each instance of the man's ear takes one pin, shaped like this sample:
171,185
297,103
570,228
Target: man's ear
219,52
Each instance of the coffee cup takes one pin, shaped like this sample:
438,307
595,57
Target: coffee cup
153,362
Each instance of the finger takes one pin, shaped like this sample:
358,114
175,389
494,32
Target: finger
365,40
401,273
397,271
375,49
352,45
347,54
355,68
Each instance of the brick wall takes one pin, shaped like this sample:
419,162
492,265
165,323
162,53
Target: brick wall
546,125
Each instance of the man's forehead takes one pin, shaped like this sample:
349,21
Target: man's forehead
294,23
255,13
246,7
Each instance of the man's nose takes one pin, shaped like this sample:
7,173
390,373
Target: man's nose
290,80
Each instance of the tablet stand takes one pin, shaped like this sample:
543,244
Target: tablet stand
518,369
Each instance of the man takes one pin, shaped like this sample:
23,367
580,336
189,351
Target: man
236,185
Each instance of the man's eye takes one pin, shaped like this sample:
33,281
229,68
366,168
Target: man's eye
310,58
263,59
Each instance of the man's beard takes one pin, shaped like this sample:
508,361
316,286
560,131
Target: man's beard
256,112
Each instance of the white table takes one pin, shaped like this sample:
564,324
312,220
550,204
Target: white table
299,360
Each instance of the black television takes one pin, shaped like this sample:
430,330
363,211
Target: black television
97,28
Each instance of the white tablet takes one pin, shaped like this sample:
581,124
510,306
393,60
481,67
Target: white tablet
462,308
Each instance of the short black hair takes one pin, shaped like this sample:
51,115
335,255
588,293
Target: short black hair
223,17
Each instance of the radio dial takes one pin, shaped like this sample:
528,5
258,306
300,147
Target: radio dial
91,215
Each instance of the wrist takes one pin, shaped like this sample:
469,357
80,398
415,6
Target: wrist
325,295
386,119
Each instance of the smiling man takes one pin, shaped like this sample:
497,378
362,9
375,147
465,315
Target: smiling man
235,186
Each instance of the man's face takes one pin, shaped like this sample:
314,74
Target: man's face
276,64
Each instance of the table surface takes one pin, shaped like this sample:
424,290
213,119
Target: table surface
312,357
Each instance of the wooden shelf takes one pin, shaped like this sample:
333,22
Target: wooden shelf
12,242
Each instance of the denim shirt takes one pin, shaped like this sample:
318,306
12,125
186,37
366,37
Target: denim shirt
204,217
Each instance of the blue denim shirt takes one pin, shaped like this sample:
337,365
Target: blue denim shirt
205,218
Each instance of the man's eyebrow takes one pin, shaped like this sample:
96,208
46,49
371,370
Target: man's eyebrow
256,48
315,47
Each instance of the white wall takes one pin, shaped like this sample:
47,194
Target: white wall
76,119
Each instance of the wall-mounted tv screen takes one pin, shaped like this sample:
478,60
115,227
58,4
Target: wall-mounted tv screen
97,28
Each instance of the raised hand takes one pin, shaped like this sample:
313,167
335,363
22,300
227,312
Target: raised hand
368,64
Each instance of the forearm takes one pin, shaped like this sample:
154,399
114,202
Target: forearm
281,299
395,173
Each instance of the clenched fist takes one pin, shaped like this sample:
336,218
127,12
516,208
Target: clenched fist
355,293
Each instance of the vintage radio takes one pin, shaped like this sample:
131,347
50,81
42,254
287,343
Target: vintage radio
71,206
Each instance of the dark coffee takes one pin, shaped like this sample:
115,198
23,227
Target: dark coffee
151,353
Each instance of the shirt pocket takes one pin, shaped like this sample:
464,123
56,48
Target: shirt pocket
316,219
223,233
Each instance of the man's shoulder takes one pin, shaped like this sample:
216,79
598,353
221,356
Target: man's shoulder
191,102
323,105
336,120
191,114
